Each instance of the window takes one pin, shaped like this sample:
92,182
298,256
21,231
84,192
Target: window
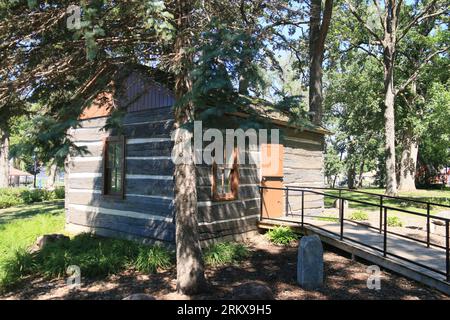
113,166
225,180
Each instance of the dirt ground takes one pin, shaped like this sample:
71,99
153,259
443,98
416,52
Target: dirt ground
275,266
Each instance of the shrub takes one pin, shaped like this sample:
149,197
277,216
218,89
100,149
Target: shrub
59,193
10,197
225,253
394,222
150,259
96,257
359,216
34,195
281,235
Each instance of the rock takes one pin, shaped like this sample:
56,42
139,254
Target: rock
139,296
44,240
310,263
337,204
252,291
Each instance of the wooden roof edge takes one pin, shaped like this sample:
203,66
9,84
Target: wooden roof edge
317,129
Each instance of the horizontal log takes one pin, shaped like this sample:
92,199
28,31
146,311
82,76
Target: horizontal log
156,114
104,232
148,130
144,228
84,183
150,167
93,123
228,210
204,193
89,134
151,206
150,187
227,228
150,149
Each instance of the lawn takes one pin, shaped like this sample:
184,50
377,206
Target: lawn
20,226
434,196
97,257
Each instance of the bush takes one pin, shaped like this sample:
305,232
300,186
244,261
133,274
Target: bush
96,257
225,253
281,235
150,259
59,192
10,197
394,222
359,216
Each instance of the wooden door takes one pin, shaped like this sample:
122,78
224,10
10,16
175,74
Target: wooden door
272,177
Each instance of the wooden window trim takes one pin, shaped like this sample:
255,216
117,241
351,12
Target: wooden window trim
121,194
229,196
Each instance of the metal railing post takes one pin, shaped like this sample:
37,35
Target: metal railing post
385,233
381,213
341,217
287,201
428,225
261,192
303,206
447,250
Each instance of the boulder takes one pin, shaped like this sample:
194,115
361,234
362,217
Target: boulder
139,296
44,240
252,291
310,263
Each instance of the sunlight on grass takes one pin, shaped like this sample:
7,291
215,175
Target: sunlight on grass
225,253
19,233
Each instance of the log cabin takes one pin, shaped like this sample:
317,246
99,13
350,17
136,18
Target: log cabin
123,184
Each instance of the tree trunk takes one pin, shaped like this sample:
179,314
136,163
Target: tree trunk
4,159
361,174
351,174
408,165
318,29
389,118
190,269
51,176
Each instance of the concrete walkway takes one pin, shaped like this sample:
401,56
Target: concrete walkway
329,232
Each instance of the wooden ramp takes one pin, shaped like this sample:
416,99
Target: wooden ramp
358,238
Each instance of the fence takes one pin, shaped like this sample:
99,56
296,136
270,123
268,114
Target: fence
383,207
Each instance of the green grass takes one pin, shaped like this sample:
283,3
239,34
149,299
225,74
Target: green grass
327,218
149,260
225,253
435,196
359,216
394,222
20,228
97,257
281,235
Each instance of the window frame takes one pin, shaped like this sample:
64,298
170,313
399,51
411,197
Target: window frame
121,141
233,194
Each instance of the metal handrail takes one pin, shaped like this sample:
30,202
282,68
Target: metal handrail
383,226
379,195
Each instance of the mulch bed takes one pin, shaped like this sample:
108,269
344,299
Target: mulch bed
275,266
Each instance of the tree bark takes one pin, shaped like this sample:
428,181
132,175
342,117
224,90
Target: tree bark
319,24
190,269
51,176
389,131
4,159
389,44
408,164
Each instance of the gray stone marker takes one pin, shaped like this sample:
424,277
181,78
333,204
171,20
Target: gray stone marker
310,263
